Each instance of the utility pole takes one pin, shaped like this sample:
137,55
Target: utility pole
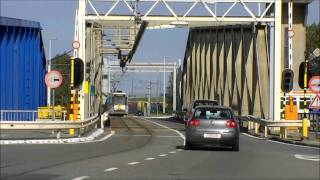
49,69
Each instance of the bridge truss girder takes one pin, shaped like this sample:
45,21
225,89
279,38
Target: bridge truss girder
270,12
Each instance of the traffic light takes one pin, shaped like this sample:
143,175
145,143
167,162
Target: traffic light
78,72
301,74
287,80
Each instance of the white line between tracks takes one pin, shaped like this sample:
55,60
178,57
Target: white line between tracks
110,169
149,159
179,133
133,163
172,152
81,178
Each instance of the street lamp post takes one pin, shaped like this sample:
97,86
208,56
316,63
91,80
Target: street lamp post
164,85
49,69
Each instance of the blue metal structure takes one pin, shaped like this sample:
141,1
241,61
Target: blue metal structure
22,65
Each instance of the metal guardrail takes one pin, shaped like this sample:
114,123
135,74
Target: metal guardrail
254,124
48,125
18,115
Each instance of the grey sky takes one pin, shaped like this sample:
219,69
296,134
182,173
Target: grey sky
57,20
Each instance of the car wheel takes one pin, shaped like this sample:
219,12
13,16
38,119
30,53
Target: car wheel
235,147
188,146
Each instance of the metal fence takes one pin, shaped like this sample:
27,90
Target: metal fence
18,115
31,115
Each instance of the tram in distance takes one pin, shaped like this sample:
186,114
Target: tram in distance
119,103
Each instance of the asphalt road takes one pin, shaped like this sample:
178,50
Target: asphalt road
140,149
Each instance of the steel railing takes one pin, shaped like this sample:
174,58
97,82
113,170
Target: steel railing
18,115
49,125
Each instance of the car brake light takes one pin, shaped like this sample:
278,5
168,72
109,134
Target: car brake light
231,124
193,123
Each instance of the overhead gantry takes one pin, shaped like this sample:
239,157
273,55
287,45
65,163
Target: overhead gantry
121,23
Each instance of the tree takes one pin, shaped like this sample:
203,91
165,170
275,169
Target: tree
312,37
169,93
61,62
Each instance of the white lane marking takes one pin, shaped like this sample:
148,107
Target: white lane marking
147,135
168,136
307,157
172,152
110,169
81,178
179,150
252,136
133,163
288,144
178,132
297,145
162,155
149,159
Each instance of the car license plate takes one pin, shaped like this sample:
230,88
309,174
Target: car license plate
217,136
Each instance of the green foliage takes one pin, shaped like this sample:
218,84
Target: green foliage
313,37
169,93
61,62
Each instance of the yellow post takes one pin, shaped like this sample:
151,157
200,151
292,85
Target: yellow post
72,97
305,119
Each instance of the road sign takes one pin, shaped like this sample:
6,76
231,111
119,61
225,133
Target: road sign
53,79
290,33
314,84
315,104
316,52
75,44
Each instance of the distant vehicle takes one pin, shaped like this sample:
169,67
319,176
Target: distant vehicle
119,104
138,113
215,126
199,102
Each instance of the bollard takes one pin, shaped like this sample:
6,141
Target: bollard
304,128
265,131
256,128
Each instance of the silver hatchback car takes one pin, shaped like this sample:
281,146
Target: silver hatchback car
212,126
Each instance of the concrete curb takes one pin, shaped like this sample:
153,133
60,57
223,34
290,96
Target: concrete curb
94,135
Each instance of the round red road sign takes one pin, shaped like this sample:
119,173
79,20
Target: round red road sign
53,79
75,44
314,84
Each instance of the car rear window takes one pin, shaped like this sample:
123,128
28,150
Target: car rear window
213,114
205,103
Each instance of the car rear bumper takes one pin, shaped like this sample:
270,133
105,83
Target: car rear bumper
227,138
